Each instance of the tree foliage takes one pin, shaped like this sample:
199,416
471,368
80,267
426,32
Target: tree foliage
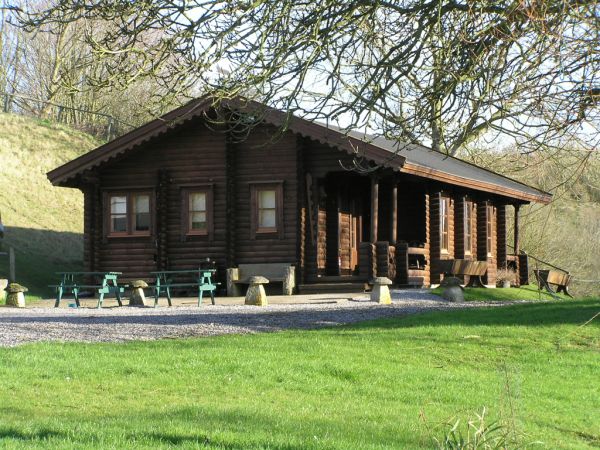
51,71
439,73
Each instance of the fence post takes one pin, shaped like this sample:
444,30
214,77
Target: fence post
59,114
11,264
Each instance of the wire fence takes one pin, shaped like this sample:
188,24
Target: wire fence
99,124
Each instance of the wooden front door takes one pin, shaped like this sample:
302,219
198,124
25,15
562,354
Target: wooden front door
355,234
350,233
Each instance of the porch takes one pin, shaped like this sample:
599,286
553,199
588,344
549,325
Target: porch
359,226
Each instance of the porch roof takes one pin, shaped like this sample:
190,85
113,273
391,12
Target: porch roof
405,158
425,162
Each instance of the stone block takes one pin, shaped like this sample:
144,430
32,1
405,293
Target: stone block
233,289
3,284
381,291
256,294
138,298
453,294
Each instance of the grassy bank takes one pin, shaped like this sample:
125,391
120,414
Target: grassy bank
43,223
382,384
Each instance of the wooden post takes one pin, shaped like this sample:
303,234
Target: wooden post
231,198
162,211
302,207
374,208
11,265
516,231
394,215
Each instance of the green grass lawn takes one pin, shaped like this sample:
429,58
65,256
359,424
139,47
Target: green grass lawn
366,386
530,292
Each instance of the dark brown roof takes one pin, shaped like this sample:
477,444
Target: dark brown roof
198,107
405,158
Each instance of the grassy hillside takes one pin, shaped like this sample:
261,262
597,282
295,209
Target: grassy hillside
43,223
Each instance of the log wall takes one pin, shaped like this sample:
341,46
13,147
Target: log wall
259,160
193,155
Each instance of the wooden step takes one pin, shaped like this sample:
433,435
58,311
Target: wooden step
338,279
331,288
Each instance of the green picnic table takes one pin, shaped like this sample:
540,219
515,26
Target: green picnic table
203,281
74,283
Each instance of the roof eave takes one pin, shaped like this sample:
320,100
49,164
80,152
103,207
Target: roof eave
131,139
426,172
152,129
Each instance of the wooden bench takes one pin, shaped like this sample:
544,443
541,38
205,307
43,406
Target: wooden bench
560,279
275,272
474,269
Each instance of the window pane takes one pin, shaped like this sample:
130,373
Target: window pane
266,199
198,201
142,203
266,218
119,223
118,205
468,225
142,222
444,209
198,221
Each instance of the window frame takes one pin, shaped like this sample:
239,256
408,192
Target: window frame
489,229
186,192
130,195
468,210
445,224
255,188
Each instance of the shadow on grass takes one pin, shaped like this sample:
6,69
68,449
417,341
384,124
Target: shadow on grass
38,435
246,429
226,429
39,254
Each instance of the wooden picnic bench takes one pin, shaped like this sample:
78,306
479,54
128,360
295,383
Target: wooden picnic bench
165,281
74,283
474,269
558,278
275,272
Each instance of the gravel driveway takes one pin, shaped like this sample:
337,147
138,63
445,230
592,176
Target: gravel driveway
20,326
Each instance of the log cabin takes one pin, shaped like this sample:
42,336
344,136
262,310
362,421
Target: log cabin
187,186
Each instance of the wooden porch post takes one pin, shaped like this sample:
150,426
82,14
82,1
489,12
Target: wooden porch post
394,215
374,207
516,230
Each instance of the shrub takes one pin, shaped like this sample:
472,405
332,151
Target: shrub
476,434
506,275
